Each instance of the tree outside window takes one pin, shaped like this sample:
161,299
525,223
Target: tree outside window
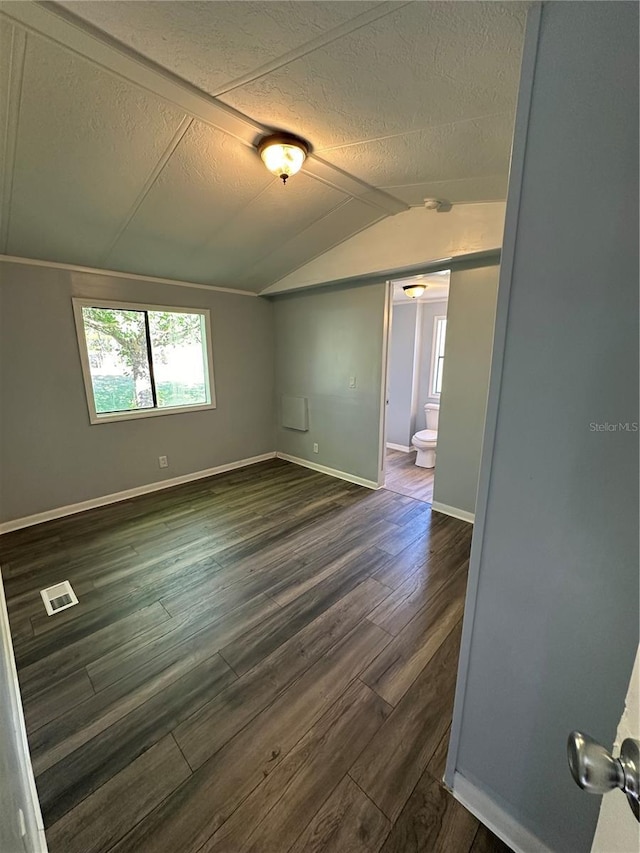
144,359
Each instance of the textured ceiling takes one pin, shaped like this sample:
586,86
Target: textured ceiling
126,137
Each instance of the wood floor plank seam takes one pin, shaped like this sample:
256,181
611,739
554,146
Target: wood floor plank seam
355,685
42,673
320,684
355,781
63,744
375,804
290,643
165,609
178,632
172,736
227,663
274,599
328,793
282,680
304,828
110,749
95,692
364,792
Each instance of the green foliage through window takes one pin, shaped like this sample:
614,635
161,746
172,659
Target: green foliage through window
146,359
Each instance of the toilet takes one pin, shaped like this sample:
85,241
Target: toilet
425,440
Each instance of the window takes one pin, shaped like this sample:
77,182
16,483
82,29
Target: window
144,360
437,358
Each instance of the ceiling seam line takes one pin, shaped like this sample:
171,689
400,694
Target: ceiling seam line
314,44
301,231
441,181
10,142
203,246
150,67
210,102
168,153
367,193
410,132
264,291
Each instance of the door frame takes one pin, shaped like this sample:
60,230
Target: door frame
387,318
489,257
507,261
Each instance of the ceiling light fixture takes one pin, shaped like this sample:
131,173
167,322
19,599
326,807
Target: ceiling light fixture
414,290
283,154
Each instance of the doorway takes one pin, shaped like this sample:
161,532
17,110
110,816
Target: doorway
414,382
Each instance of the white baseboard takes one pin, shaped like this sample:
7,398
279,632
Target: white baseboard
71,509
499,821
402,447
453,511
24,792
332,472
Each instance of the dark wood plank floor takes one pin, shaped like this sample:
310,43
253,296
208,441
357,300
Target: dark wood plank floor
261,661
403,476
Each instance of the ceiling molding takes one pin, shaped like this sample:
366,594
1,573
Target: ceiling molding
8,142
33,262
468,260
59,26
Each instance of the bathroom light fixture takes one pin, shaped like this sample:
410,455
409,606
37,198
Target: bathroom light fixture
414,290
283,154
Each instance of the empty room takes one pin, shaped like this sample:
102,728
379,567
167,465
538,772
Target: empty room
318,426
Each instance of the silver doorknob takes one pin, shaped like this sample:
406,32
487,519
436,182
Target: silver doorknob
595,770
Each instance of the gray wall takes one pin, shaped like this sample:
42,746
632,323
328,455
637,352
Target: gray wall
401,372
322,338
555,554
463,401
430,310
17,790
51,456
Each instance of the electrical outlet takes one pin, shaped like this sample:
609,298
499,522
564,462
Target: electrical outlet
352,382
163,462
315,447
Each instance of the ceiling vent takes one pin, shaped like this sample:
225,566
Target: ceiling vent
58,597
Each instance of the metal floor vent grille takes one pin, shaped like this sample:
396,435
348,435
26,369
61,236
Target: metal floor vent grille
58,597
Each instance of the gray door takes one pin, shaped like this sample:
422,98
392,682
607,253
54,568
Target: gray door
551,624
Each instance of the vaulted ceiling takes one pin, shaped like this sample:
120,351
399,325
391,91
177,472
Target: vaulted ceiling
127,129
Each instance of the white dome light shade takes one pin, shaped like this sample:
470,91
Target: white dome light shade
414,290
283,155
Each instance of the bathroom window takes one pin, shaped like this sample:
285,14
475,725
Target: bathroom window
143,360
437,357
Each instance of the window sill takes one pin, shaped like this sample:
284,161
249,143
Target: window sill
149,413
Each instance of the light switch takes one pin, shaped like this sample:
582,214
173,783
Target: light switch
352,382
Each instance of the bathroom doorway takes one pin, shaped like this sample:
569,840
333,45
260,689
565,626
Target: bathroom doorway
414,382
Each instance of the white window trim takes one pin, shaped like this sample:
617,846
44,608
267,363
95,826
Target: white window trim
94,417
434,343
